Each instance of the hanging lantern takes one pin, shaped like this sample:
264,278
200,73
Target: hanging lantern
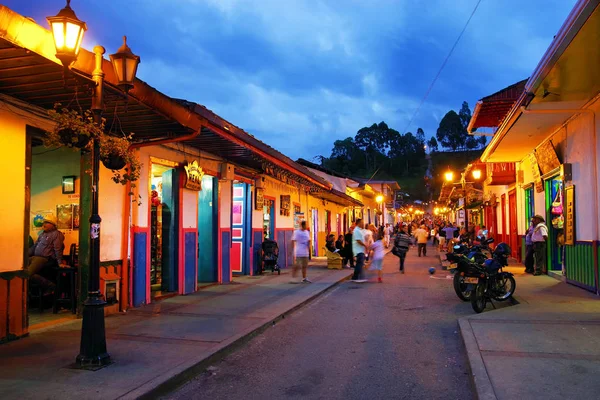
67,31
125,64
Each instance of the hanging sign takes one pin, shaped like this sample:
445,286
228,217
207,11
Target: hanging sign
535,169
570,215
259,198
193,176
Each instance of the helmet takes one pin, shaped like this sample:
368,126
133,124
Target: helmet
502,250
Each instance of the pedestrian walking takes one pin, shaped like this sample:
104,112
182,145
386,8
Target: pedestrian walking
377,258
359,248
529,258
301,248
348,255
422,235
401,245
539,238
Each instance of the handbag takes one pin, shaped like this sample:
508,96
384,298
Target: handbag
557,206
558,222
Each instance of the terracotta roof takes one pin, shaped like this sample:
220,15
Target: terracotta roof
490,111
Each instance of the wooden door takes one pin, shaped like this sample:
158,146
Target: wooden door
512,222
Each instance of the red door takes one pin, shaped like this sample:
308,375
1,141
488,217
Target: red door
504,230
512,222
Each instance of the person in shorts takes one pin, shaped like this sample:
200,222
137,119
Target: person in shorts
301,248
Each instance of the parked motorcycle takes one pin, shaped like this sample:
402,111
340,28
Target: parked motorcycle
466,263
493,283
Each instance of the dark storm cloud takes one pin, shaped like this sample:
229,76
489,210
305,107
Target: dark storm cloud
300,74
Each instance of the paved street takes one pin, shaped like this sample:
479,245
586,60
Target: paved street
398,339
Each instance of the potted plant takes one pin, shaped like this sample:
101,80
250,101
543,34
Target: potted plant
115,155
72,128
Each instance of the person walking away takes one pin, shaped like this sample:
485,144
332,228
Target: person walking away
422,235
387,234
47,251
529,259
378,254
301,248
449,237
539,238
359,249
442,239
401,245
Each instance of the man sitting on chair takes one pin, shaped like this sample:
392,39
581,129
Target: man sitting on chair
47,251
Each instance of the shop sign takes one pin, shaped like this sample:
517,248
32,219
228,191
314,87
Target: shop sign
259,198
286,202
570,215
535,169
193,176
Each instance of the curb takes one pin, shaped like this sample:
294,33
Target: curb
478,373
180,375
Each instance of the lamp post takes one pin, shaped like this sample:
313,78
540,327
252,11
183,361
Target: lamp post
68,31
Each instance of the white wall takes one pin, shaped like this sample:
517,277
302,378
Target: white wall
111,206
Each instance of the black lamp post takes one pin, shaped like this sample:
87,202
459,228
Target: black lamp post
68,33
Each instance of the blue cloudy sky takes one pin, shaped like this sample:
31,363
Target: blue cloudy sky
299,74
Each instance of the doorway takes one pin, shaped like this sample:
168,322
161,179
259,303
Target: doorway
208,200
512,223
314,228
241,217
551,189
164,232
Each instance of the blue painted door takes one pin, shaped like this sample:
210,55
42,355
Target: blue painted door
170,230
208,202
554,260
240,233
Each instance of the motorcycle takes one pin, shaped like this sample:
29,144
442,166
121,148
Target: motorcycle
466,263
493,283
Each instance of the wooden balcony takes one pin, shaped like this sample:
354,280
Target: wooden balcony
501,173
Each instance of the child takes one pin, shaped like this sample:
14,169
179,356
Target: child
378,253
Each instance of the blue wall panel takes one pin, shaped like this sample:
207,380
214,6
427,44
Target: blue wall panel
288,256
225,256
140,240
283,247
189,262
257,250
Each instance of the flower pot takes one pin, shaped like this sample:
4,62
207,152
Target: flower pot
71,138
114,162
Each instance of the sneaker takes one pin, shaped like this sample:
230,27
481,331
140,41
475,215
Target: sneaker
360,281
379,280
305,280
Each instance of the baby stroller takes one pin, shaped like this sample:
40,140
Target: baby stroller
270,251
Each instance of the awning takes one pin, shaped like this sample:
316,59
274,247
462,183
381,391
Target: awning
490,111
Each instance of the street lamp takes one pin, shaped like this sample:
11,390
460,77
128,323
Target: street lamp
125,64
476,174
379,199
67,32
449,176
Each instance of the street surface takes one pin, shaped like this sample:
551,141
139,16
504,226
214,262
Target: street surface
395,340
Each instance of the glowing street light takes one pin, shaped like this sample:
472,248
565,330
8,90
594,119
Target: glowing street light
449,176
67,31
379,199
476,174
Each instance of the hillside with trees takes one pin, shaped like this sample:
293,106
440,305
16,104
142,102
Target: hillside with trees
381,152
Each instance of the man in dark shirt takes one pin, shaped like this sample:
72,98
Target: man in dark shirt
47,251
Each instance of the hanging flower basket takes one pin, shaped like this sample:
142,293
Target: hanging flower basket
116,156
114,162
72,129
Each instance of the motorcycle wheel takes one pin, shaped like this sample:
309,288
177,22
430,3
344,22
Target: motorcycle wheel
478,300
505,285
461,288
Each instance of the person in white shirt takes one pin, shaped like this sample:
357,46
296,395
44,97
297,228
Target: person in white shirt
378,254
387,233
301,248
359,249
539,237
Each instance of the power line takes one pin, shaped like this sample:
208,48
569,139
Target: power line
442,67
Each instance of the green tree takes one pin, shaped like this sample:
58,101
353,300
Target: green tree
465,115
432,144
451,132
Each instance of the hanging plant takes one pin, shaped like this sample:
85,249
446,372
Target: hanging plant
116,156
73,129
